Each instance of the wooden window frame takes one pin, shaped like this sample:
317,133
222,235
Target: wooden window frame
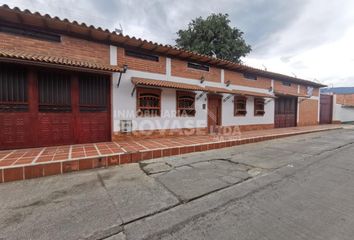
141,55
259,102
240,112
198,66
250,76
286,83
153,92
185,94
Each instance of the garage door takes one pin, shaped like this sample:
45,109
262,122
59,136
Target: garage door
94,109
47,108
285,112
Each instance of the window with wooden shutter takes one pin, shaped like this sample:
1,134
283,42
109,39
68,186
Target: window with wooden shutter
186,104
94,90
259,107
240,104
148,102
13,89
54,91
250,76
142,55
198,66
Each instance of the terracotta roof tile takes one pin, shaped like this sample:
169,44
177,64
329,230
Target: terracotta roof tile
290,94
166,84
41,58
254,94
11,15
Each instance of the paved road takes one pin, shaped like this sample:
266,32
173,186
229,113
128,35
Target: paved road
294,188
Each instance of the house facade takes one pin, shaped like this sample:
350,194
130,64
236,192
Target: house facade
65,83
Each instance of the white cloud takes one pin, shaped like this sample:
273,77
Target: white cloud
319,45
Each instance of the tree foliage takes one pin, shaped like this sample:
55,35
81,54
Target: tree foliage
214,36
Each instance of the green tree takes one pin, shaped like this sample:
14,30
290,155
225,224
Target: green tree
214,36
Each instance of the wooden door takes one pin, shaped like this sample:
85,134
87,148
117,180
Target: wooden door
285,112
55,117
214,112
93,117
326,106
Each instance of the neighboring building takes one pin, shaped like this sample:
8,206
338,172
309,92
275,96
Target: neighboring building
342,101
64,83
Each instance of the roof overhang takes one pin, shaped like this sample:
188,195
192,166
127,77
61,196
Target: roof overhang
284,94
38,59
217,90
253,94
165,84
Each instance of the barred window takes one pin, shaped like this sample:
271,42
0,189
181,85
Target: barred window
94,91
54,91
13,88
186,104
240,104
148,102
259,107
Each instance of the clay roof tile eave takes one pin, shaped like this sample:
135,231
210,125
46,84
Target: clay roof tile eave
12,55
120,38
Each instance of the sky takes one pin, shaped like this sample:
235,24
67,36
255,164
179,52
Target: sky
309,39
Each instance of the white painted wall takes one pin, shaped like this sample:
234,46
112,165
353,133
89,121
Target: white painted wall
341,113
113,55
124,105
228,118
347,114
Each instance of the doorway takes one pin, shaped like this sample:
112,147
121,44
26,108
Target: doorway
285,112
326,106
214,112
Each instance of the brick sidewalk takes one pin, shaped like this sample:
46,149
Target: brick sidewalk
39,162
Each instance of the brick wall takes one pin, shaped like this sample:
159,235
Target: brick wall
68,47
238,79
141,64
279,87
180,69
308,112
303,90
347,99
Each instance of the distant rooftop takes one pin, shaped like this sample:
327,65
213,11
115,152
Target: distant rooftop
338,90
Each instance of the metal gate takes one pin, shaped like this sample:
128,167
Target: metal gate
50,107
285,112
326,106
